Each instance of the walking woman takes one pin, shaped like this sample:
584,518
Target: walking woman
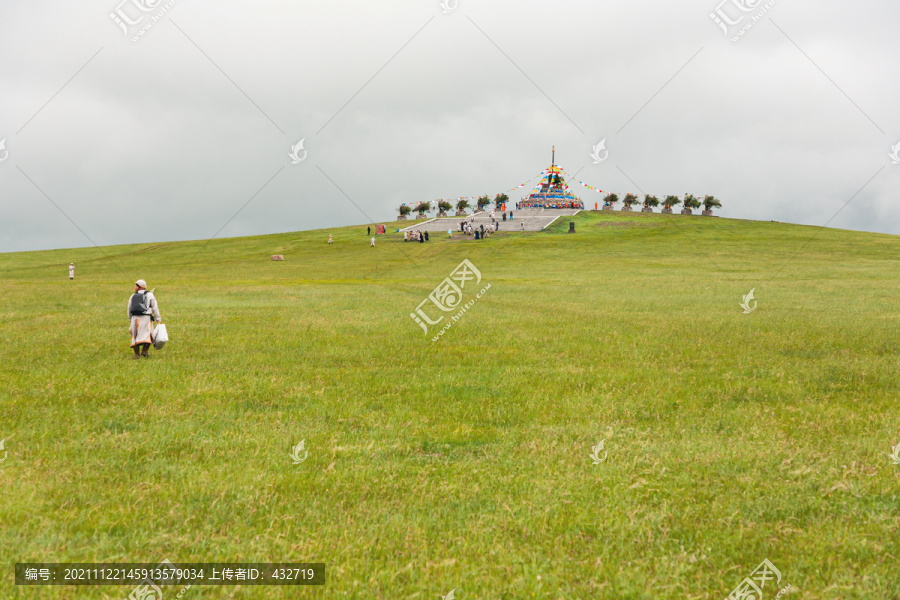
142,311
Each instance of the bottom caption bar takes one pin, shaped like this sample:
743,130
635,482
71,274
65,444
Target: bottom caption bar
167,573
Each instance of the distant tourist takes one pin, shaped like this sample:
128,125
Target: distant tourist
426,236
523,225
373,242
330,241
405,236
368,231
449,233
142,311
71,270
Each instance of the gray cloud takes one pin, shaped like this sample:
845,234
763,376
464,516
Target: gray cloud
182,128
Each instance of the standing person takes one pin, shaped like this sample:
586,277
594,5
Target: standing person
523,225
368,231
330,241
142,311
426,235
71,270
372,245
449,233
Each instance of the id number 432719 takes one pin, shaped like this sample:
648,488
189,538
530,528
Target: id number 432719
291,574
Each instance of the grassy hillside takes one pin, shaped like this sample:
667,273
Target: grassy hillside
464,463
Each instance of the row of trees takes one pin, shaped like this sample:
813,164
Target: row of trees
422,208
651,202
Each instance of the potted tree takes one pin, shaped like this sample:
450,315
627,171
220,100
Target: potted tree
443,207
500,200
710,202
628,202
669,202
649,203
423,208
609,201
461,206
482,202
690,201
404,212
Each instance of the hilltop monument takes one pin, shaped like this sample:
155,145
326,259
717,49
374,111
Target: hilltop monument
552,191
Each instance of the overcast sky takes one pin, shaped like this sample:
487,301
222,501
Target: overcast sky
111,140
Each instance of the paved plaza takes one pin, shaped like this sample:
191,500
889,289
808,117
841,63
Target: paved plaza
534,220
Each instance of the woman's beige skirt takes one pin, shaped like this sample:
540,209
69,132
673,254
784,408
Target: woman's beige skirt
141,328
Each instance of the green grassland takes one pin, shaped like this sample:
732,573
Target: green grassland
464,463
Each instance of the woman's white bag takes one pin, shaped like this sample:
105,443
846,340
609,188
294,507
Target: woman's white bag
159,336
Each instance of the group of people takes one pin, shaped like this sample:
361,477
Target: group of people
480,232
415,236
378,230
465,225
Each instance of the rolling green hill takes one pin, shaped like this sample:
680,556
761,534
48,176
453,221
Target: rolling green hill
465,463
